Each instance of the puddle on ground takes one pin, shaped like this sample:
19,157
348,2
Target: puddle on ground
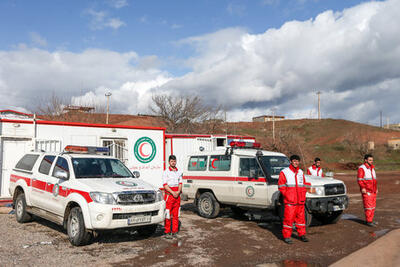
289,263
379,233
172,247
348,216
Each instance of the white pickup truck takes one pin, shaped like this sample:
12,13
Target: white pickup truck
245,178
85,192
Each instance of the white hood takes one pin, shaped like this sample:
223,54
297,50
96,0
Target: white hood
111,185
320,181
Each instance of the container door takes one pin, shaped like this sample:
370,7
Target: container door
12,152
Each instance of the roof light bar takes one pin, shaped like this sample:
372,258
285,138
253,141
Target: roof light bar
87,149
241,144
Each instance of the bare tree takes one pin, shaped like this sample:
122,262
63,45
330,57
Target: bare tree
183,113
357,141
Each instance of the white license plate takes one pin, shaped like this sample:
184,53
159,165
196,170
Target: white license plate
139,219
336,208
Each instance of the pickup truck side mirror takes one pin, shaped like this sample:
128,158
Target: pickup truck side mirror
136,174
61,175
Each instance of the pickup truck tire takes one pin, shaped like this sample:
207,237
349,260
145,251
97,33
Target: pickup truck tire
238,212
147,231
208,206
77,233
331,218
21,214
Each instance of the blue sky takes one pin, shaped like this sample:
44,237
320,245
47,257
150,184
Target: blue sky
250,56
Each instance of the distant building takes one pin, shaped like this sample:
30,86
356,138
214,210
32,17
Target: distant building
395,126
265,118
394,144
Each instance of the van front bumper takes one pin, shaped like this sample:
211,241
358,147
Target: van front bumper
327,204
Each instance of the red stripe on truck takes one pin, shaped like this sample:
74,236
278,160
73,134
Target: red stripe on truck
224,178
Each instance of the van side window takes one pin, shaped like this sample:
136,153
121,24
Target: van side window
61,165
197,163
27,162
220,163
46,163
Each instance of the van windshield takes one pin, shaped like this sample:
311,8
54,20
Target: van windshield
100,168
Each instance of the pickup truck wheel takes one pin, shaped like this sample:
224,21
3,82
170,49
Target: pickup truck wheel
147,231
21,214
77,233
208,206
239,212
331,218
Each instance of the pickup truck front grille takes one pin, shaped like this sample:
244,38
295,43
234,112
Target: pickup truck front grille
122,216
136,198
334,189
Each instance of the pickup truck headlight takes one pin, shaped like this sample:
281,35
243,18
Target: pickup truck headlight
318,190
159,196
103,198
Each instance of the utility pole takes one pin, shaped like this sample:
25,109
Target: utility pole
319,105
273,124
108,94
381,118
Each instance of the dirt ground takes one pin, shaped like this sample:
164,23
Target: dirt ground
225,241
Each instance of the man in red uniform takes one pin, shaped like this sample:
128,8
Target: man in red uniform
172,182
315,169
293,186
366,178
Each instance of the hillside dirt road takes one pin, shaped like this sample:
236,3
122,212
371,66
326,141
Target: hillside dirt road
224,241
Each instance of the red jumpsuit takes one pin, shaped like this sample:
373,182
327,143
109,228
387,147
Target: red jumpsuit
314,171
172,178
293,187
366,178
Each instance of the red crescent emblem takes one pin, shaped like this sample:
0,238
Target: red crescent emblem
141,152
212,163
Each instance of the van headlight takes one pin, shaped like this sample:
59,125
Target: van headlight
317,190
103,198
159,196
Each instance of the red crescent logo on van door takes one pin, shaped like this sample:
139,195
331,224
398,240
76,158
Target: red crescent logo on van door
212,163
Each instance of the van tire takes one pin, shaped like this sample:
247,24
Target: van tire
208,206
77,233
21,215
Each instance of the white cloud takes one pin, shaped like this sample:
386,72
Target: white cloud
31,75
100,20
352,57
343,52
37,39
118,3
115,23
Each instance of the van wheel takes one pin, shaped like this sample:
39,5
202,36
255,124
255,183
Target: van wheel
21,214
208,206
147,231
77,233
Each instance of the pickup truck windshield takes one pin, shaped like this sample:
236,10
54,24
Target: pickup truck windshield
275,164
100,168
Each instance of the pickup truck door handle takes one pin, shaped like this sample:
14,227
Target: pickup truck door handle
240,183
259,184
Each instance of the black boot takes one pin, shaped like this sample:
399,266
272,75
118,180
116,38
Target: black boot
288,241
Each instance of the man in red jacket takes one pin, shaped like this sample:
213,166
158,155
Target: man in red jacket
293,186
366,178
315,169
